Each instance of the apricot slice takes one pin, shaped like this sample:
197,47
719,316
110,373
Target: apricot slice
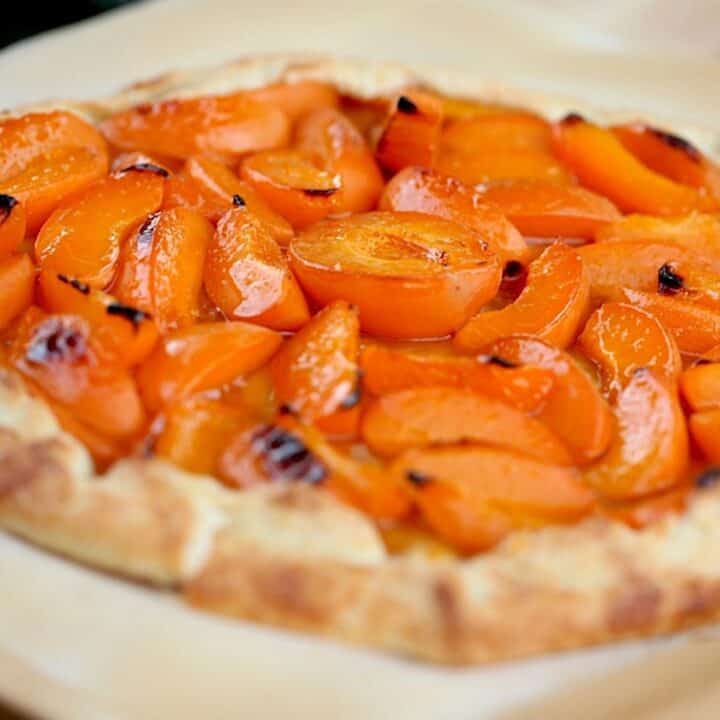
387,369
705,432
552,306
316,372
540,208
227,125
57,353
220,188
82,237
444,416
202,357
410,275
12,225
505,131
622,338
574,410
123,335
671,156
44,157
473,496
700,386
247,277
292,185
196,432
17,280
296,99
28,137
412,131
696,231
636,265
696,329
649,452
49,180
161,267
474,169
288,451
336,145
416,189
604,165
691,282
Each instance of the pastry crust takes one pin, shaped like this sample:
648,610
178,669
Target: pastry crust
294,557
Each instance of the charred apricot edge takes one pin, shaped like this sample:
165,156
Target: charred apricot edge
604,165
292,185
13,223
412,131
82,237
222,189
337,146
670,155
124,335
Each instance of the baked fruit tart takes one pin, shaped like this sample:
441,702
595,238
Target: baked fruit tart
332,347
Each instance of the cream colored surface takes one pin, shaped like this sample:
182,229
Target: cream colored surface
645,54
81,645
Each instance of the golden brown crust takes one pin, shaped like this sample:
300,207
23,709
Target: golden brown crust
359,78
297,558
